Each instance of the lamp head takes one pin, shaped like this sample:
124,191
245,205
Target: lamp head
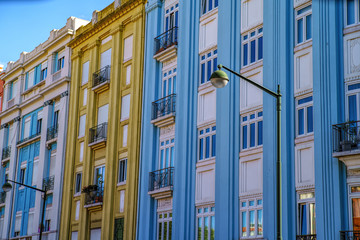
7,187
219,78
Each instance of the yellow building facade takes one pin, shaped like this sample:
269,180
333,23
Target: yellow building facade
102,159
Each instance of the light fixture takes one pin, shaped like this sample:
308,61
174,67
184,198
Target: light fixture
7,187
219,78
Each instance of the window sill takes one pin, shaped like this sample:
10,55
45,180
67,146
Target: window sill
304,138
42,82
303,45
77,194
121,184
251,151
209,14
352,28
251,66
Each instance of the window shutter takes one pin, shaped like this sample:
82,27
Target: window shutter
37,73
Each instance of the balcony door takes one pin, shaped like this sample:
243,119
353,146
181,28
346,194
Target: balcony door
171,17
103,114
167,148
99,176
169,82
355,207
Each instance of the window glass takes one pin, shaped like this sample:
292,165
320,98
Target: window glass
251,130
303,25
208,62
252,46
128,48
205,223
251,218
78,183
82,125
122,170
125,107
85,73
305,116
207,143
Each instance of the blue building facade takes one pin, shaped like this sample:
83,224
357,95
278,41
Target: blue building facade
208,157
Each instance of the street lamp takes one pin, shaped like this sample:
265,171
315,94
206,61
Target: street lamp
7,187
219,79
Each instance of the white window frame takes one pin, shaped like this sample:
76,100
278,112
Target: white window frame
163,220
350,93
303,106
163,147
203,136
248,123
169,75
247,209
307,201
124,160
204,59
357,13
168,13
27,121
201,214
303,16
258,33
202,12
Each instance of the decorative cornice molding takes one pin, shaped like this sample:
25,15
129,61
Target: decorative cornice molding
97,43
5,125
17,119
47,103
119,28
64,94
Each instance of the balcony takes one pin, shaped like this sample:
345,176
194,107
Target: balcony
2,197
165,45
101,79
349,235
28,139
98,135
48,183
93,196
161,183
346,143
6,153
52,133
163,111
306,237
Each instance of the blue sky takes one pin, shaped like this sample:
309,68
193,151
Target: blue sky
27,23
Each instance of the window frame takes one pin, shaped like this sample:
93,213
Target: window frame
353,92
78,186
161,221
205,58
164,144
259,117
202,138
60,63
305,107
202,215
247,38
171,12
168,76
303,16
120,176
247,209
205,9
307,202
356,14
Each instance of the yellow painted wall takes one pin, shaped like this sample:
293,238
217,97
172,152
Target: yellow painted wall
118,23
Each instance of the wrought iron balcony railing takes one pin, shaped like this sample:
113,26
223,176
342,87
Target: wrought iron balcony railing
306,237
161,179
29,138
98,133
48,183
101,76
346,136
2,197
166,40
94,196
349,235
163,106
52,132
6,152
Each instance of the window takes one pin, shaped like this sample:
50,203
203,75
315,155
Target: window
205,223
29,79
303,26
22,175
304,118
12,90
354,198
74,235
43,74
84,97
82,125
105,58
60,63
207,143
125,135
103,114
164,226
38,126
78,180
85,73
169,82
81,155
49,200
252,46
56,118
208,5
119,229
306,214
208,64
251,130
47,225
167,148
128,75
352,100
251,218
77,210
125,107
352,8
26,133
122,171
128,48
122,201
171,17
99,176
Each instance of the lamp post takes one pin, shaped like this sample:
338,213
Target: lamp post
7,187
219,79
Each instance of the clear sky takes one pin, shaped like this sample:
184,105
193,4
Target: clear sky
24,24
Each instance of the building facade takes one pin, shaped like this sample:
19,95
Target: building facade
33,135
102,160
208,157
1,88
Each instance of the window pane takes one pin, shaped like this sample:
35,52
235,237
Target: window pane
167,158
214,66
243,223
165,230
300,31
212,233
252,135
208,70
260,133
352,108
308,27
260,48
350,12
207,147
356,213
301,121
302,220
245,56
162,159
213,145
244,137
260,222
312,219
170,230
203,73
201,149
160,231
199,229
210,5
310,120
252,223
206,228
253,50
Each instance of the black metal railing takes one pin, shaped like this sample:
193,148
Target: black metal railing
29,138
166,40
346,136
6,152
2,197
350,235
101,76
48,183
98,133
163,106
161,179
94,196
306,237
52,132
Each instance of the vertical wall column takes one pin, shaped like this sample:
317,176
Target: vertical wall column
328,92
107,225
